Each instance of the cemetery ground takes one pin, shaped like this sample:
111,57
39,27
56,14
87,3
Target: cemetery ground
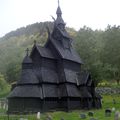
74,115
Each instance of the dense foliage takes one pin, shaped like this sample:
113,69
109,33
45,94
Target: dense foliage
99,50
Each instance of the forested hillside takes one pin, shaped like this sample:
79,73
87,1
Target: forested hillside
100,50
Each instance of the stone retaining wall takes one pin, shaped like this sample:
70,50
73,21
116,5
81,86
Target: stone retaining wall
107,90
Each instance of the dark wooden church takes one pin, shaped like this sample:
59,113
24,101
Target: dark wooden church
51,77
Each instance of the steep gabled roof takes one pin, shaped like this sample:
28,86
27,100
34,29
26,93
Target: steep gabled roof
44,52
73,90
84,78
45,75
49,75
28,77
70,75
26,91
50,90
68,54
26,60
69,90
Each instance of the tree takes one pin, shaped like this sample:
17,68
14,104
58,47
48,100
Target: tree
2,82
110,54
86,45
13,72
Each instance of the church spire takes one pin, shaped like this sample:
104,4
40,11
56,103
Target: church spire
59,19
58,3
59,12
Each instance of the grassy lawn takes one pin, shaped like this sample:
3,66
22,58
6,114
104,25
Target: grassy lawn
74,115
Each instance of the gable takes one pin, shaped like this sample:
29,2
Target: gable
68,54
43,52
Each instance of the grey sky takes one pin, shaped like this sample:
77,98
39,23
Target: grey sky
96,14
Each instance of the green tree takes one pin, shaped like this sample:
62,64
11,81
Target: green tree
13,72
2,82
88,47
110,54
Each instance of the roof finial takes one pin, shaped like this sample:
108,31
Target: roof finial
58,12
27,52
58,3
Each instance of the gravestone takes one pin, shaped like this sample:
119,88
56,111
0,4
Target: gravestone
62,118
117,115
90,113
113,109
49,117
38,115
108,112
83,116
21,119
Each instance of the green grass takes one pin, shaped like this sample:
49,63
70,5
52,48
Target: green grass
74,115
111,84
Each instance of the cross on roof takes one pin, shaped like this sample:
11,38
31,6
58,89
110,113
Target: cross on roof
27,52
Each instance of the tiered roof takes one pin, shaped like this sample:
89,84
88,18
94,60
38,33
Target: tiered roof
45,82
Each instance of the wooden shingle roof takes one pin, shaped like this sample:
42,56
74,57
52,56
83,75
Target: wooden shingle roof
68,54
69,90
27,60
26,91
50,90
28,77
44,52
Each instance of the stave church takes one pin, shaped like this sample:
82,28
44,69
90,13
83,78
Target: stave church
51,77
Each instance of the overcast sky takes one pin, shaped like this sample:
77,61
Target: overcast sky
96,14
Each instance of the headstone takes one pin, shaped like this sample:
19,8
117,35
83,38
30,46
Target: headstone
108,112
117,115
83,116
49,117
21,119
62,118
113,109
90,113
38,115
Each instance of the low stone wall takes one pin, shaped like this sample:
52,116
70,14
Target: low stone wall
107,90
